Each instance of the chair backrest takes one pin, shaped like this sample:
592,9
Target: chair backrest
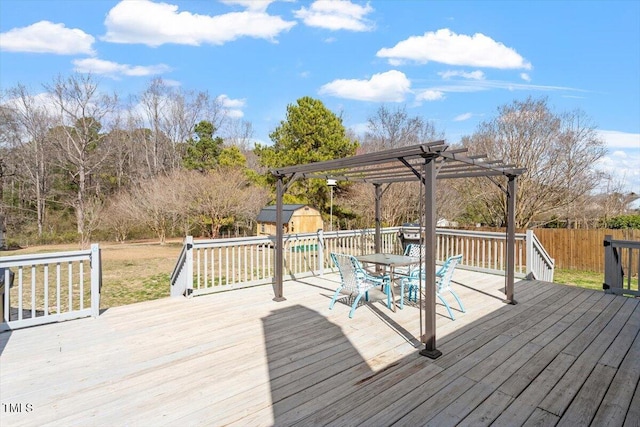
349,269
445,273
414,250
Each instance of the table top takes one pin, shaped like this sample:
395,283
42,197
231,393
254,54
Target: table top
392,260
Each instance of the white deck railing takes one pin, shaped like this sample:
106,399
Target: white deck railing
540,265
206,266
49,287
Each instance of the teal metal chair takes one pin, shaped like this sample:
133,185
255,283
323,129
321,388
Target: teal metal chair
443,283
355,280
413,250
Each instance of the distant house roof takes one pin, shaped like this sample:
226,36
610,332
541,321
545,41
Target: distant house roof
268,214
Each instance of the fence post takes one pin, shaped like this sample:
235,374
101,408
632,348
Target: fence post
188,285
96,279
321,252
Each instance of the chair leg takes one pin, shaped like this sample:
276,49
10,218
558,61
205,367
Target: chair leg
335,296
413,293
401,294
446,304
355,304
388,292
458,299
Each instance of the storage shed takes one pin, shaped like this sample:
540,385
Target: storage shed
296,219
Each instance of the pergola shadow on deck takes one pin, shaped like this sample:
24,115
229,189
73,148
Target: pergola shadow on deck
561,355
425,163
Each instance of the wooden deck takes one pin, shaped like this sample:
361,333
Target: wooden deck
562,355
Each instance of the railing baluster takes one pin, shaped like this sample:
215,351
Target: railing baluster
70,286
33,291
46,289
58,287
20,293
81,273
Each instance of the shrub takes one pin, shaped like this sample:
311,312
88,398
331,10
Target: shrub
624,221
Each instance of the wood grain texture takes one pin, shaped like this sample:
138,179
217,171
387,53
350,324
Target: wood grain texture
561,355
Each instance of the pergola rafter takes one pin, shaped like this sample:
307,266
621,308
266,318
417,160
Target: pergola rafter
426,163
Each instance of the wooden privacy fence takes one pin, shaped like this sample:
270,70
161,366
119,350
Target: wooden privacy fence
580,249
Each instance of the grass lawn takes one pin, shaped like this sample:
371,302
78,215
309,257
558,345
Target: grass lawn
584,279
131,272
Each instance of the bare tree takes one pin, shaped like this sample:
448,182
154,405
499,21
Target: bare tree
81,112
120,216
160,203
94,210
388,129
171,114
239,133
31,147
224,196
558,152
154,102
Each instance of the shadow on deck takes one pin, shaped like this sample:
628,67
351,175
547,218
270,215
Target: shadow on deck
562,355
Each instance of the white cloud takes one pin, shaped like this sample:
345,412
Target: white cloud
232,107
43,101
473,75
623,168
336,15
464,86
154,24
447,47
391,86
623,158
615,139
429,95
47,37
462,117
113,69
254,5
525,76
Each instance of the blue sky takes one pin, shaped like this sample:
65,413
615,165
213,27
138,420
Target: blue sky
452,62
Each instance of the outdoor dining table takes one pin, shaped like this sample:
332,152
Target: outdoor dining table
390,262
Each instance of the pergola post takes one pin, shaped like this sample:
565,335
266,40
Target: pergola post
279,235
429,239
378,237
511,239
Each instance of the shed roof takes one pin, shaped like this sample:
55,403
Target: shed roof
268,213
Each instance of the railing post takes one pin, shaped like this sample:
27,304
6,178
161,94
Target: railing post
610,266
96,279
321,252
529,248
188,277
511,239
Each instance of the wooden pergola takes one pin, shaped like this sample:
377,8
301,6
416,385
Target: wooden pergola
426,163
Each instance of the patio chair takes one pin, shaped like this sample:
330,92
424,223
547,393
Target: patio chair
413,250
443,283
356,280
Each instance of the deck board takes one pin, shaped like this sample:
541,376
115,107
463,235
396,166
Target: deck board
561,355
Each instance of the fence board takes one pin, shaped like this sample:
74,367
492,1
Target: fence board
577,249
